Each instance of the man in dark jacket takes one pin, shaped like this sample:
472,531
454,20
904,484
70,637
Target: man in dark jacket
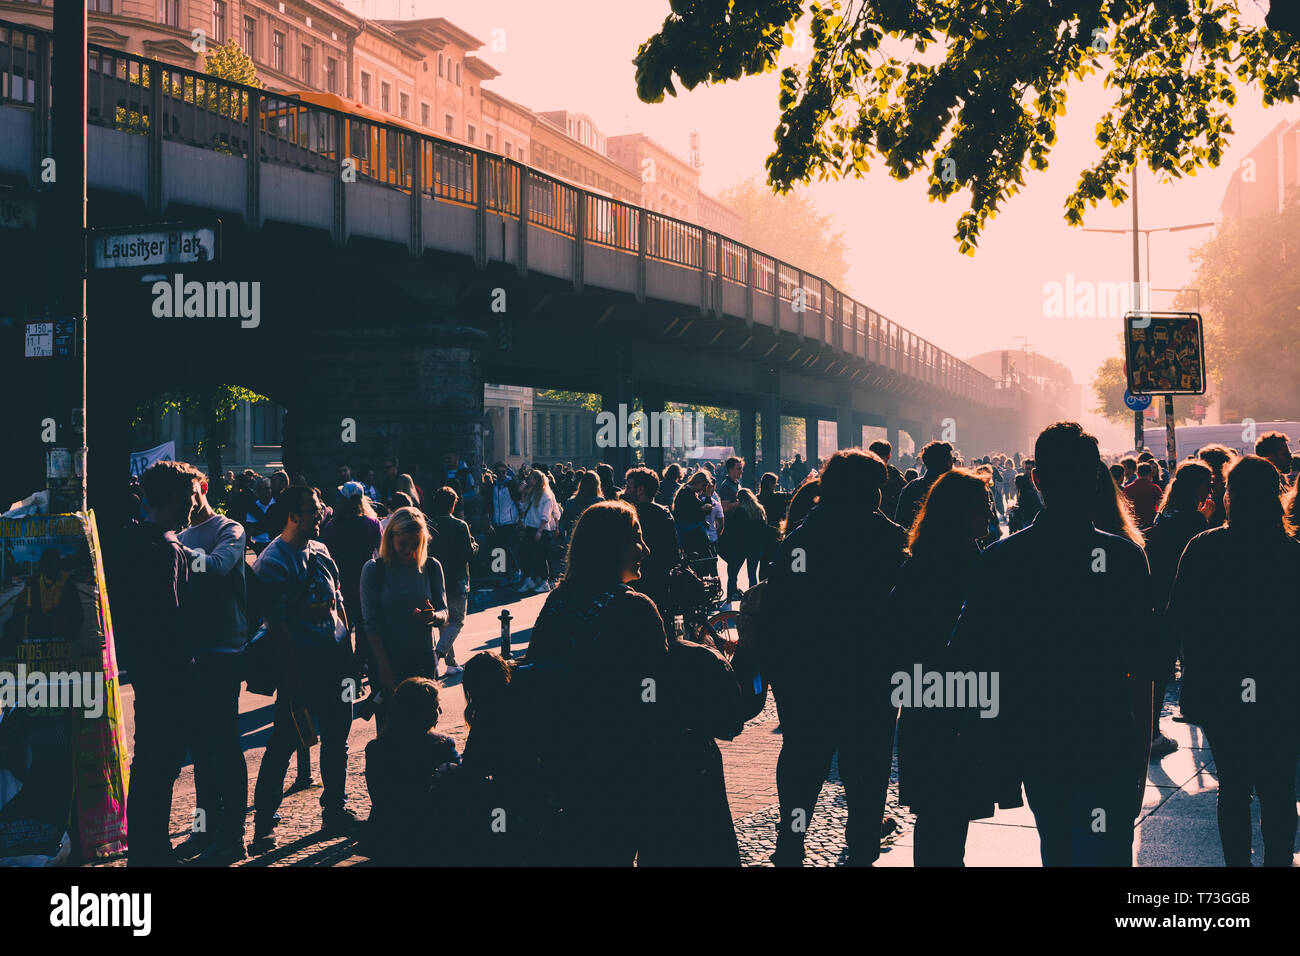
157,654
659,534
894,483
454,547
937,458
828,666
216,614
1073,699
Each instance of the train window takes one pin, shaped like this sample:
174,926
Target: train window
359,138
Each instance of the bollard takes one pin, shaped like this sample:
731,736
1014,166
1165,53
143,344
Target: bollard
505,635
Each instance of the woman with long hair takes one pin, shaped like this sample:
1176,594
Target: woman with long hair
1184,513
935,766
1112,512
539,515
633,781
1242,672
403,601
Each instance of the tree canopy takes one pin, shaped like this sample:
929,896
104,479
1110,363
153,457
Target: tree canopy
791,228
969,93
1249,286
229,62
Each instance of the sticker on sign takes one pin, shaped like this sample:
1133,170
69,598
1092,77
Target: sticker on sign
40,340
154,245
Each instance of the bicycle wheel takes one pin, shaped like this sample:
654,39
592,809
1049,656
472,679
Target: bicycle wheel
724,630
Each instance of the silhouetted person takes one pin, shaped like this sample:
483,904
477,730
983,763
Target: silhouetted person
935,770
838,564
657,529
1242,671
894,483
618,727
937,458
157,654
1071,723
402,765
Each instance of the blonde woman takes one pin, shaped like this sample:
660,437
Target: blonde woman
540,516
403,599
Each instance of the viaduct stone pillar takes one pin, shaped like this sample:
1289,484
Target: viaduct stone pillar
370,392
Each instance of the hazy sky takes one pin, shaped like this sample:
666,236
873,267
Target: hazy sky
576,55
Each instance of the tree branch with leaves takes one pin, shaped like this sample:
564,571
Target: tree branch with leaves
970,94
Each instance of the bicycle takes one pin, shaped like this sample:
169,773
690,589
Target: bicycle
693,596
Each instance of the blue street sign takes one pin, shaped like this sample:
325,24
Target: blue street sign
1139,403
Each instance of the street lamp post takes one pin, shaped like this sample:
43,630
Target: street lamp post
65,461
1136,230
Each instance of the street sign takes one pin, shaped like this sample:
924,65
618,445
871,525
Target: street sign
53,338
164,243
1137,403
1164,353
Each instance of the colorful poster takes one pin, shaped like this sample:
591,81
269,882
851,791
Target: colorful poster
62,743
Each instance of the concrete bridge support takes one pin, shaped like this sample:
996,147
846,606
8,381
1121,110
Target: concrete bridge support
373,392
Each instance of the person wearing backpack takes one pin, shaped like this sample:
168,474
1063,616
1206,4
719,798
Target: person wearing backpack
403,599
307,625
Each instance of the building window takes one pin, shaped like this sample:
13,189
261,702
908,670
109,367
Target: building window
218,20
307,76
514,431
171,12
385,97
469,132
365,89
331,74
521,154
487,140
440,70
98,6
449,122
457,69
404,106
277,50
250,37
508,152
424,114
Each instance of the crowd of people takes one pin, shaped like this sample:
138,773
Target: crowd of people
600,746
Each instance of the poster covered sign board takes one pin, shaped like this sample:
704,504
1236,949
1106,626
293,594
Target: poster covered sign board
1164,353
62,742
